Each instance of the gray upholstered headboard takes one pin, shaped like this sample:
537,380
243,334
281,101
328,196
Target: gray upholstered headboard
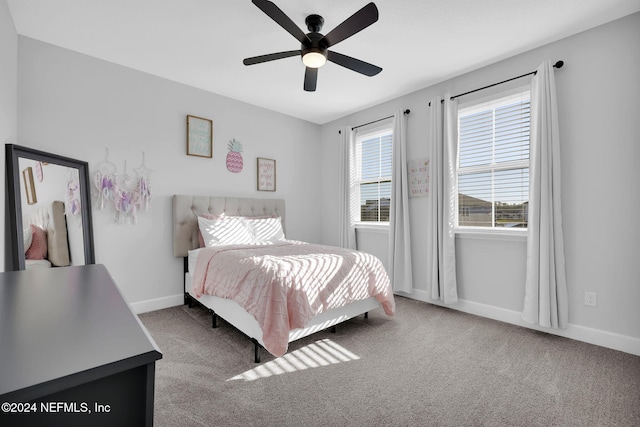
186,209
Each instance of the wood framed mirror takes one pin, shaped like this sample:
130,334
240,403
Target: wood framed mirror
55,191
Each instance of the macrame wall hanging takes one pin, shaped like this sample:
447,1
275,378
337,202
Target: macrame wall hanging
122,192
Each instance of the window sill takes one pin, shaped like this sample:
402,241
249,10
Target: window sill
380,227
510,236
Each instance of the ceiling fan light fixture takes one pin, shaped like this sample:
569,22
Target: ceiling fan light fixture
314,59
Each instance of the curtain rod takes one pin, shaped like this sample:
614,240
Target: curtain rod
407,111
558,64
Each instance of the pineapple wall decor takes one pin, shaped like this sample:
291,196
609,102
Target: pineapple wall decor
234,156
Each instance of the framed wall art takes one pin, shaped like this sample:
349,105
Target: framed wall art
199,137
418,177
266,174
30,189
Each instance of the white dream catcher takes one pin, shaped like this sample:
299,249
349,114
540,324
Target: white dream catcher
121,191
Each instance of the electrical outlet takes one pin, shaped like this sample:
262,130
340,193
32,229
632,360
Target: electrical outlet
590,299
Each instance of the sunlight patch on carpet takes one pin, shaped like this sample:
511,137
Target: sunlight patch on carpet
321,353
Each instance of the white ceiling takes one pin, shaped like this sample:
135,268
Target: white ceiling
202,43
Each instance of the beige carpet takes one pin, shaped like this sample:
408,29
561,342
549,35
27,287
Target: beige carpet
426,366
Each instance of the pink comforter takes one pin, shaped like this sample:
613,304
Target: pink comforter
284,285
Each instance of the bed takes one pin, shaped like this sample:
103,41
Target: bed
188,210
51,233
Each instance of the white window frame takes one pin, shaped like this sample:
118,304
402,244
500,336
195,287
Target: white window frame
502,98
365,133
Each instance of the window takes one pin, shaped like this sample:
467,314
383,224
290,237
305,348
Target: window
373,176
493,163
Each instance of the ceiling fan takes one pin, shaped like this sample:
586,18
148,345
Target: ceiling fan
315,46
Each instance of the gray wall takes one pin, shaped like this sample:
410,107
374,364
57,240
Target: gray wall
77,106
599,109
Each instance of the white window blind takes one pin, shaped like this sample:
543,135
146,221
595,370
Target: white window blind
373,158
493,163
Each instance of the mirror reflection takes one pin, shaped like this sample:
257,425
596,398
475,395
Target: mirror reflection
48,210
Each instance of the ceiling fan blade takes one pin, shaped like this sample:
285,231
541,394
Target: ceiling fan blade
310,79
355,23
354,64
283,20
270,57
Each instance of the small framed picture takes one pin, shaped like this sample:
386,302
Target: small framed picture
29,186
199,137
266,174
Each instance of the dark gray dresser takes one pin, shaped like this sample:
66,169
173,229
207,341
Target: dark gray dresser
72,352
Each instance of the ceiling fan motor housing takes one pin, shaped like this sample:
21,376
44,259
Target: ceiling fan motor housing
315,46
314,24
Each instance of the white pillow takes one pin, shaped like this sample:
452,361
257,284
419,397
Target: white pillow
266,230
225,231
27,236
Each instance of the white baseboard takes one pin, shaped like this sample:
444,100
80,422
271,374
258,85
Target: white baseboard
599,337
157,303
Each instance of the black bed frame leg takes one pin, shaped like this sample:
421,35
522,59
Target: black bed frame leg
187,298
214,319
334,329
256,350
366,314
